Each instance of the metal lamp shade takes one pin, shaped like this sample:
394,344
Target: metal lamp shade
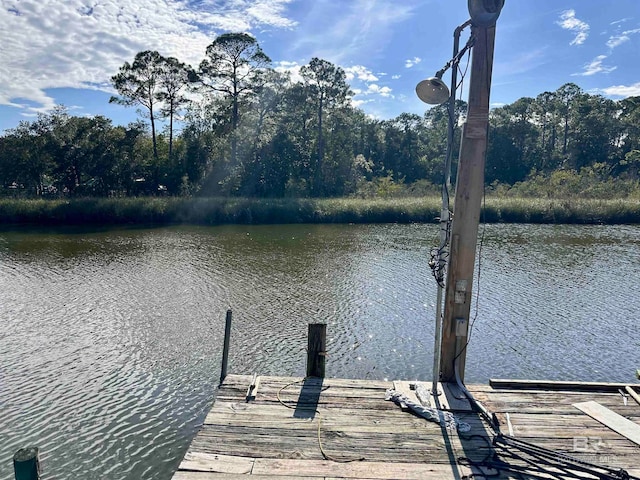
432,91
484,13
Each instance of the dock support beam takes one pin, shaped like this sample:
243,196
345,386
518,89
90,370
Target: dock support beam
466,216
316,350
225,347
26,464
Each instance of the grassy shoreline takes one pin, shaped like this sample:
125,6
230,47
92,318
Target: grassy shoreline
220,211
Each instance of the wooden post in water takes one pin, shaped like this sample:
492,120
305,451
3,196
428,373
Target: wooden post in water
26,464
469,192
316,349
225,347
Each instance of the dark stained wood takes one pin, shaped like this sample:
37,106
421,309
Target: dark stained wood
226,345
316,350
556,385
375,439
26,464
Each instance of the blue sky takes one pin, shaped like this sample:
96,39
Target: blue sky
65,51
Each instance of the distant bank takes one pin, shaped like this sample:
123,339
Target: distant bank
220,211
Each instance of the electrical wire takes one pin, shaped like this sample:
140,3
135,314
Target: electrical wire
534,458
473,321
478,284
484,224
439,256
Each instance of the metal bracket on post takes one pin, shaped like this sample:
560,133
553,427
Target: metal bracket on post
460,294
252,391
461,327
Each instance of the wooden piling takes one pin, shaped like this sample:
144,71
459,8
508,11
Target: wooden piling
466,216
316,350
26,464
225,347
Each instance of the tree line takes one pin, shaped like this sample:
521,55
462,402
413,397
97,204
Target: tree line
249,130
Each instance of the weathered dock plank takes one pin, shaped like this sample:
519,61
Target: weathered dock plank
369,470
612,420
206,462
185,475
344,429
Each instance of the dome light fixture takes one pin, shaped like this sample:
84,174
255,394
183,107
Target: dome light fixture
433,90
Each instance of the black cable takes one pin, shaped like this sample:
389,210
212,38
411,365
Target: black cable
574,463
509,448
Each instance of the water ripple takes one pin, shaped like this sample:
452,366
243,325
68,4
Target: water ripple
110,345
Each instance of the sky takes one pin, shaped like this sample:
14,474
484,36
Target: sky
64,52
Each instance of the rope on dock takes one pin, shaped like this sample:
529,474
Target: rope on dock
446,419
295,406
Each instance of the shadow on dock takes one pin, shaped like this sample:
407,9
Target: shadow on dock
307,403
364,436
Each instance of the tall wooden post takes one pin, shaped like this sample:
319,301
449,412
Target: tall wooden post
225,346
466,217
26,464
316,350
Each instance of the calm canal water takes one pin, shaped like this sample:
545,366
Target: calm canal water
110,341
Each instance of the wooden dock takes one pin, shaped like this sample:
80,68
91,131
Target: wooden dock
275,428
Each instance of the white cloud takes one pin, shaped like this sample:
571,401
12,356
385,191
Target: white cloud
622,20
376,89
269,12
619,39
623,90
357,103
412,62
368,93
340,31
293,68
82,43
358,74
616,40
361,73
568,21
395,77
595,66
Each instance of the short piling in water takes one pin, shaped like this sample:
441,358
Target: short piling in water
225,347
316,350
26,464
